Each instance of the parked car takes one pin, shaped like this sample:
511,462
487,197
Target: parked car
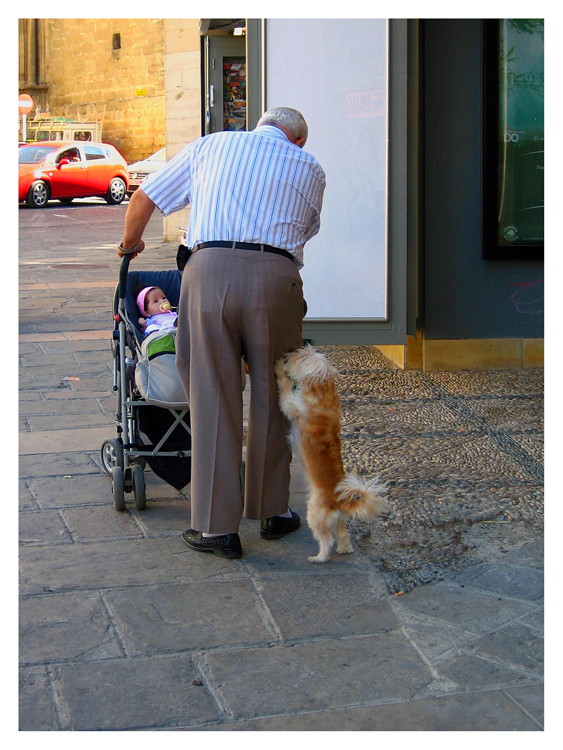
139,170
71,169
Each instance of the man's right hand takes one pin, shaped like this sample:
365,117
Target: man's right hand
140,247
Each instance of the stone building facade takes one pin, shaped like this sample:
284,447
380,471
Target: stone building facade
140,77
111,70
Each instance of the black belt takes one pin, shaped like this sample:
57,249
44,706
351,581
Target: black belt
245,246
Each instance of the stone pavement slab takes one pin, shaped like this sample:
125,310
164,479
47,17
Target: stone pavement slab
164,518
460,607
509,580
491,711
113,564
37,708
68,421
138,694
530,700
99,524
65,627
515,644
38,466
181,617
57,406
325,674
47,527
57,441
471,673
338,604
73,484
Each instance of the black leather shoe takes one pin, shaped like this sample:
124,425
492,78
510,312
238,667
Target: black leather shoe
226,545
276,527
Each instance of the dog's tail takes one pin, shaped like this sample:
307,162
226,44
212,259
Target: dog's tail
361,498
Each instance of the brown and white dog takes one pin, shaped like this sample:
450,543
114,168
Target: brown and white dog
308,398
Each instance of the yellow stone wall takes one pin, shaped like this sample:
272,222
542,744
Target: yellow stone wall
124,89
465,354
182,75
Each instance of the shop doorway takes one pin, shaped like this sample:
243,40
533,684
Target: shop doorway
224,83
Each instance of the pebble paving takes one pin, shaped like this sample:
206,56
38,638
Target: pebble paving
462,453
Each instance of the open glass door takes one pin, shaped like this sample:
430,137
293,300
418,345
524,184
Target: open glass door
225,83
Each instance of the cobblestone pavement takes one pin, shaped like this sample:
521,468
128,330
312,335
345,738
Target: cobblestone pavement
463,453
122,627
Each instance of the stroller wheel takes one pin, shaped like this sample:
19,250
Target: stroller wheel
117,488
139,486
111,454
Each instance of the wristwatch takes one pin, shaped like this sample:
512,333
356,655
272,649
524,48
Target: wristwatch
130,251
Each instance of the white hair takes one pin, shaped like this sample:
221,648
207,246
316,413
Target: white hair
286,118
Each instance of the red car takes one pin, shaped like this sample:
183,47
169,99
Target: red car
71,169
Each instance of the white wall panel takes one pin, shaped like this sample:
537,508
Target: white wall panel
335,72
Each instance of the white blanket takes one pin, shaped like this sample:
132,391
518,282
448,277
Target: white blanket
156,375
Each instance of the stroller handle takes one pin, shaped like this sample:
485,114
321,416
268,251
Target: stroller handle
123,276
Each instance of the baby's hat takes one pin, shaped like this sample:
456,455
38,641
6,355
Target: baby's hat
141,298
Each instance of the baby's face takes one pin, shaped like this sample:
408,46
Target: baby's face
156,302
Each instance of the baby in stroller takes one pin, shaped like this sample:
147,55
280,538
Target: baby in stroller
155,310
152,414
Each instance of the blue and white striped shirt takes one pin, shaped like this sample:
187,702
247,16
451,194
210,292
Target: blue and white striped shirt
251,186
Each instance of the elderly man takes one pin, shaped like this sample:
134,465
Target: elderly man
255,200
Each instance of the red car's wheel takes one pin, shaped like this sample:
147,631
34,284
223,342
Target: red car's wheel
38,195
117,191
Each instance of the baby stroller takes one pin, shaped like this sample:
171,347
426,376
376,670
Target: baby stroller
152,416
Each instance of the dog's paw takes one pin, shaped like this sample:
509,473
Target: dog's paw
318,559
345,549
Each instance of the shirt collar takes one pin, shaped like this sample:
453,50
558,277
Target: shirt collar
272,130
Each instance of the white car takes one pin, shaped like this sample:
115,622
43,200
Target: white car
139,170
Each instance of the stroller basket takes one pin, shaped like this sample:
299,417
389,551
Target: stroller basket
152,413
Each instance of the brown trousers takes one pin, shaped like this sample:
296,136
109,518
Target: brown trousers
234,304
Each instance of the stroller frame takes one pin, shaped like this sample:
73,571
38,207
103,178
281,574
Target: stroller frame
124,458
